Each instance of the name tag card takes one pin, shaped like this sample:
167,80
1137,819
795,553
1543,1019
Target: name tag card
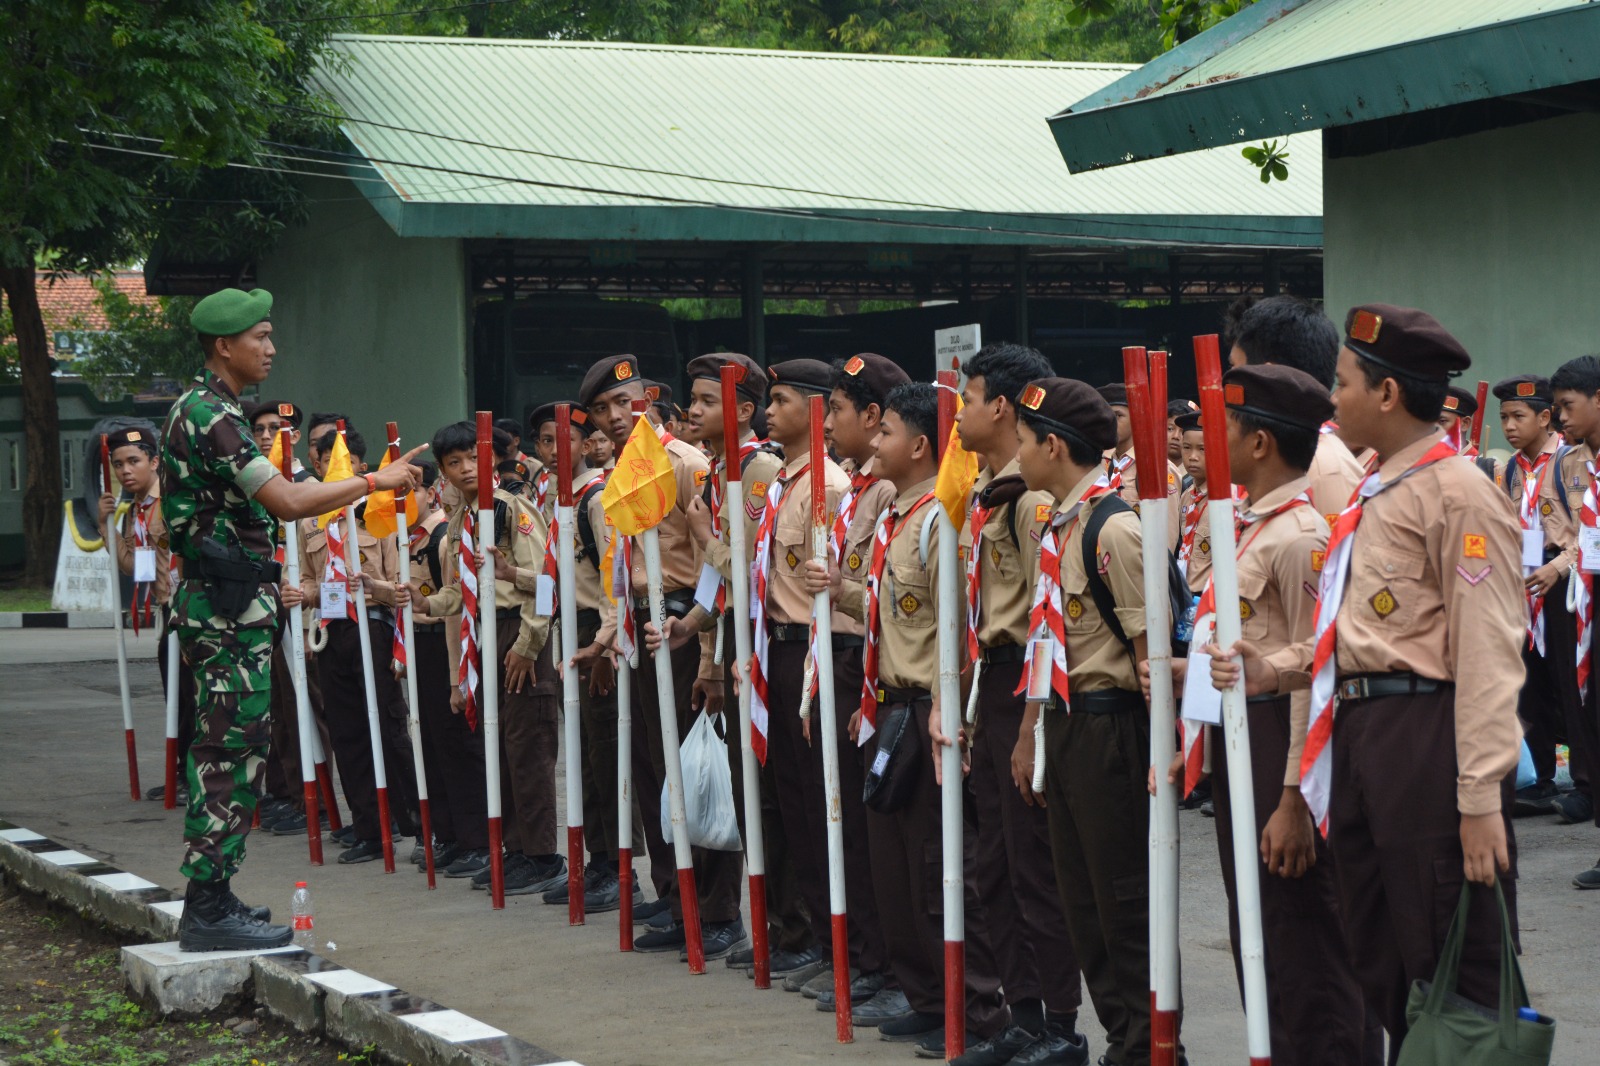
144,564
1041,655
1589,549
544,595
705,589
1202,702
335,600
1533,548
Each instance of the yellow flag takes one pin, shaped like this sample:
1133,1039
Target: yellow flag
339,468
275,457
641,490
958,472
380,513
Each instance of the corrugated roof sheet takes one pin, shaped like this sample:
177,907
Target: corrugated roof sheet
542,124
1286,66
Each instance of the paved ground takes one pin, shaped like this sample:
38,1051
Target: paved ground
62,772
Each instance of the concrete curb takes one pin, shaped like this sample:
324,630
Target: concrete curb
317,996
55,620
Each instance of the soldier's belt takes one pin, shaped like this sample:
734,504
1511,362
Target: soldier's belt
1003,653
1374,686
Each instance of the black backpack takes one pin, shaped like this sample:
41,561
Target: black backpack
1181,599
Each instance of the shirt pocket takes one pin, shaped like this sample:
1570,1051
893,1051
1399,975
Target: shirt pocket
790,548
910,589
1078,612
1388,584
1254,623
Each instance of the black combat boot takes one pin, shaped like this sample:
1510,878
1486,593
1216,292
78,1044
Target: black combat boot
212,922
255,914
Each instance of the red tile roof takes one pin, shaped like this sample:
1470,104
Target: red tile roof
70,303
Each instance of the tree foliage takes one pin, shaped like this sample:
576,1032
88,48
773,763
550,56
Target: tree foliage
1179,19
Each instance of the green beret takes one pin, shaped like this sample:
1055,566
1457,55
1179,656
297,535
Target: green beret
222,314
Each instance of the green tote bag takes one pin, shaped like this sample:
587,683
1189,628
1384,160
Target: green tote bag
1450,1030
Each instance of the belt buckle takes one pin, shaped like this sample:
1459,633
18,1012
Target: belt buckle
1354,688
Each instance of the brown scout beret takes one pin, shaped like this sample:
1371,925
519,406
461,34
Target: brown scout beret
1406,341
1188,422
1459,401
1069,409
1531,389
877,372
1178,408
1114,393
140,437
804,374
546,412
1278,394
289,412
749,381
606,375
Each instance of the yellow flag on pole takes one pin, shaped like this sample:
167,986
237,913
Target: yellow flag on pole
275,457
339,468
380,513
958,472
641,490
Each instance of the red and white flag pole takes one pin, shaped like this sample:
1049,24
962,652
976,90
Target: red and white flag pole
116,618
822,615
369,683
1235,724
566,569
169,799
952,606
1479,416
489,658
755,851
402,540
309,743
622,595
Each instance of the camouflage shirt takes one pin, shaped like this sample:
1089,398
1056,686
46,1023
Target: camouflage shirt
211,471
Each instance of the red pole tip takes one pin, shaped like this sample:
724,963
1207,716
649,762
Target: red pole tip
105,460
286,452
1134,366
1158,411
947,408
564,454
729,382
339,425
1213,411
819,480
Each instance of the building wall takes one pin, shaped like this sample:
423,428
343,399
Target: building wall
1495,234
368,323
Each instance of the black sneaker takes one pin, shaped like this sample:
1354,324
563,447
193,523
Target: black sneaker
291,824
643,912
862,988
720,939
888,1004
1059,1046
1535,799
537,875
784,963
659,940
742,960
819,983
511,864
1590,878
468,863
347,835
796,980
1572,808
1209,809
443,855
913,1025
211,922
604,895
931,1046
361,851
997,1050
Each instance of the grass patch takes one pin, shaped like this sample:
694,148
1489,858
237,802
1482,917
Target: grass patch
24,599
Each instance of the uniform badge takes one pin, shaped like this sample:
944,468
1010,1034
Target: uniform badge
854,562
1041,512
1032,397
624,370
1246,612
1330,519
1452,403
994,555
1317,559
1204,547
909,604
1545,508
426,590
1525,388
1365,326
1384,602
1474,579
286,410
362,556
1074,608
758,490
792,559
855,365
524,523
700,477
1172,480
1475,546
134,436
1233,395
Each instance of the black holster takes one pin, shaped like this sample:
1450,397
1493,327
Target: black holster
231,579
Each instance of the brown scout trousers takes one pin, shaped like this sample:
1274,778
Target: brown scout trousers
908,886
1550,706
1099,815
802,803
1014,874
1313,1001
597,716
530,728
717,874
788,923
286,728
1395,834
345,702
452,752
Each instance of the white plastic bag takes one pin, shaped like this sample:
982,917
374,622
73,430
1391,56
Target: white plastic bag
707,791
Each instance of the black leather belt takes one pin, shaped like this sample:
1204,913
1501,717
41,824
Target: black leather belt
588,617
893,696
678,603
788,632
1105,701
508,614
1003,653
1372,686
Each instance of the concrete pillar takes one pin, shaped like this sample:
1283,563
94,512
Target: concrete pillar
752,293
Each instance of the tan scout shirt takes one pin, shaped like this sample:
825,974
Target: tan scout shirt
856,559
1130,494
587,578
1009,567
423,581
1561,518
379,559
1199,565
525,532
125,542
756,477
787,600
1278,576
1333,476
1095,658
908,643
680,557
1436,589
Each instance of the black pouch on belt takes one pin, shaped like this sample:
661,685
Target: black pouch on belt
892,778
232,580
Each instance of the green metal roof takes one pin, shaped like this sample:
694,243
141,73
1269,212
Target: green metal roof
1288,66
592,141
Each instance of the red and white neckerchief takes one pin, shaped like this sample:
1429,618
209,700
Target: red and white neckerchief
859,483
541,490
1045,618
1191,525
976,522
1316,762
467,573
399,661
1205,625
1118,465
1533,474
888,527
143,591
334,567
1584,594
1330,426
622,587
760,566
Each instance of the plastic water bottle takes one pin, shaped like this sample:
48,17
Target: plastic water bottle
304,923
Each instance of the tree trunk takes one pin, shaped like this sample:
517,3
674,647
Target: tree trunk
41,500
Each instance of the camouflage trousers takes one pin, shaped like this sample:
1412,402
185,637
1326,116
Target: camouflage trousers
232,665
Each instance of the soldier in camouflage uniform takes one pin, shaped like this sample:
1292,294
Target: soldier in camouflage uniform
222,501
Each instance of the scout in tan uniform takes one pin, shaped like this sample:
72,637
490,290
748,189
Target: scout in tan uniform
1176,409
339,669
1194,540
608,392
1294,332
529,722
1096,751
896,603
1015,878
1125,472
1550,698
141,537
1456,417
1275,414
1428,632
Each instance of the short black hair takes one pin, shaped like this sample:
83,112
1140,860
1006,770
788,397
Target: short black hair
1422,400
1577,375
430,472
917,404
1078,450
858,392
1291,332
1230,322
1296,444
329,418
501,443
355,442
1006,368
509,425
456,437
